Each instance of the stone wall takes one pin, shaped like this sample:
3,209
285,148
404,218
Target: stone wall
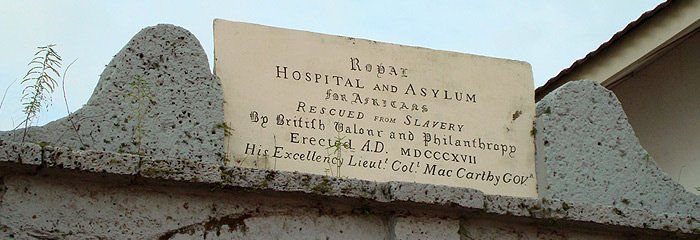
59,203
96,182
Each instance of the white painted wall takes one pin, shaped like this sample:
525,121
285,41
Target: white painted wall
662,101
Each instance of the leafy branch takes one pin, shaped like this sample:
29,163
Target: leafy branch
39,84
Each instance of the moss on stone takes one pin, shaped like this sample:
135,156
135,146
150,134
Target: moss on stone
155,172
618,212
323,187
565,206
113,161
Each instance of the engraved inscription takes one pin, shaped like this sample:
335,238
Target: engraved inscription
343,107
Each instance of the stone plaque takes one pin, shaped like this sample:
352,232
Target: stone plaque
354,108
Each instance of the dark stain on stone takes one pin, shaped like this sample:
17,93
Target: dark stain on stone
3,189
270,175
565,206
235,223
547,110
618,212
517,114
189,230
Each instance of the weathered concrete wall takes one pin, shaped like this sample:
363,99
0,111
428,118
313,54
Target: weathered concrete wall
99,207
588,152
54,186
63,204
176,111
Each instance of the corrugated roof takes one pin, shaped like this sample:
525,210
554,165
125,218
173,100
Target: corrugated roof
556,81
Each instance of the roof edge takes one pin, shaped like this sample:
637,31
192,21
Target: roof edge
556,81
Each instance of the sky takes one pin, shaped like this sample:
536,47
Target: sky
550,35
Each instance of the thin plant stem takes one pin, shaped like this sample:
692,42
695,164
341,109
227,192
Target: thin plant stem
65,100
5,93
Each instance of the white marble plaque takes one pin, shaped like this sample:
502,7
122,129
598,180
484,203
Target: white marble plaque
354,108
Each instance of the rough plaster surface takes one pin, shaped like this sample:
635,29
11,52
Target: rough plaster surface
56,205
440,201
415,228
588,153
176,113
181,150
47,207
494,229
